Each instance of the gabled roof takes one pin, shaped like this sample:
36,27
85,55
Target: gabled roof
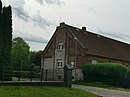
100,45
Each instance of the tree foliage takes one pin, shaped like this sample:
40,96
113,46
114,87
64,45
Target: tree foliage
35,57
19,54
5,38
25,63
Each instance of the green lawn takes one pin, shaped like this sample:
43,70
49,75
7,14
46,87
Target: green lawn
41,91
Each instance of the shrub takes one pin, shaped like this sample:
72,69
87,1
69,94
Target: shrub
108,73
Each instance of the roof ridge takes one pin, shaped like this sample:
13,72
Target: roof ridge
99,35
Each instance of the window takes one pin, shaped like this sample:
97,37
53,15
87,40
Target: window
59,64
60,46
94,61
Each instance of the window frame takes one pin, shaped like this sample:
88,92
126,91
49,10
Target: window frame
59,64
60,46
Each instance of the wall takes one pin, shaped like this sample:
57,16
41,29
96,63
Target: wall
60,37
51,53
53,75
48,63
77,74
103,59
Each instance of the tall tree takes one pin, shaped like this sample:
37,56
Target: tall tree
20,54
5,40
0,28
6,35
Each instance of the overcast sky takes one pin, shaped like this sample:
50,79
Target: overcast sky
36,20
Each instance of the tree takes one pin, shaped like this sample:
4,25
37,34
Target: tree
6,36
5,41
35,58
20,54
0,28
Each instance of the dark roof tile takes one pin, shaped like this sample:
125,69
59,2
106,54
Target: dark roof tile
100,45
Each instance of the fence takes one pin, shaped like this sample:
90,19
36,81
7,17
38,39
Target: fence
53,75
9,73
22,76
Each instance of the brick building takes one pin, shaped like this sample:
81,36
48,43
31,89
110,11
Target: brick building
71,45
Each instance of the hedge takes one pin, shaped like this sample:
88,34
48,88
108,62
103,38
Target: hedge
27,74
108,73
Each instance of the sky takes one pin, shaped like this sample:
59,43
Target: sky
36,20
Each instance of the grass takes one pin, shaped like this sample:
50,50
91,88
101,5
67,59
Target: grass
41,91
100,85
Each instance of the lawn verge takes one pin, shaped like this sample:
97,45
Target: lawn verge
42,91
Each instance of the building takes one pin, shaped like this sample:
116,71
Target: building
71,45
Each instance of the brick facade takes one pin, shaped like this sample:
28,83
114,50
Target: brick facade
74,50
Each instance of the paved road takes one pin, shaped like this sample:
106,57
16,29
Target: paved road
103,92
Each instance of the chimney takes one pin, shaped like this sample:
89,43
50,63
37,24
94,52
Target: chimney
62,24
84,28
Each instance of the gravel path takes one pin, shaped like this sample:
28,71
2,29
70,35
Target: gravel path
103,92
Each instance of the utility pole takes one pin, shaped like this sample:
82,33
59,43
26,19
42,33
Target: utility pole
75,58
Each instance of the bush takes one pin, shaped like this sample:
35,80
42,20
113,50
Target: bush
108,73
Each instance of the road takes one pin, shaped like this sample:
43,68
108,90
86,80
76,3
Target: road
103,92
